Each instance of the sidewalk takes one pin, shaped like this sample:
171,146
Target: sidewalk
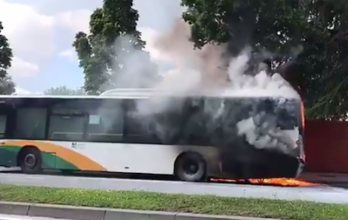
325,177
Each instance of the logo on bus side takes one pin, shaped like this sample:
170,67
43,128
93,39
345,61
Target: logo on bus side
73,145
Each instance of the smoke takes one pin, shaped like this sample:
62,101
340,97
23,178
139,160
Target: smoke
230,75
195,70
132,67
207,72
176,46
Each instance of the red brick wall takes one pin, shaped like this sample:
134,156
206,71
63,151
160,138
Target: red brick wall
326,146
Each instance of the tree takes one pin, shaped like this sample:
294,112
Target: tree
7,86
63,90
320,27
105,61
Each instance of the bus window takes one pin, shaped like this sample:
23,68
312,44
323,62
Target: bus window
3,120
105,125
66,125
135,129
286,114
286,120
30,123
182,124
66,128
193,121
141,127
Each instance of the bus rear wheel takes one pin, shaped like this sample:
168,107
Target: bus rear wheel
30,161
190,167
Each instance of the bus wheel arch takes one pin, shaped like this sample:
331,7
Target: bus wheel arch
29,159
194,160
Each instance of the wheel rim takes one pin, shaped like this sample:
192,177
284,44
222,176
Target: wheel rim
191,167
30,160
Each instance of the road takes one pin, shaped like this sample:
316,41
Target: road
19,217
324,194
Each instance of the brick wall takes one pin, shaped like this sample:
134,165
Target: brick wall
326,146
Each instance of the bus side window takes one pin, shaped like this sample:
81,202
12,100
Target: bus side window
66,127
138,128
30,123
106,125
66,123
286,115
3,120
286,120
193,127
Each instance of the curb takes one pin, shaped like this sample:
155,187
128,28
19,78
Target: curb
85,213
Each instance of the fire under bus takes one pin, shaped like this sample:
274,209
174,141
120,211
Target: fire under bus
124,131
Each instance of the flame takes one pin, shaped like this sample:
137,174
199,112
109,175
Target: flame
273,182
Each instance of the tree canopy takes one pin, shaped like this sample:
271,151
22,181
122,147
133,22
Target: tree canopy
112,39
63,90
320,27
7,86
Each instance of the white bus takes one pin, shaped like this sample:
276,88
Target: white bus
107,133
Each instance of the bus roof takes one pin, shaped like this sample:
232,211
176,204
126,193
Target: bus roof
148,93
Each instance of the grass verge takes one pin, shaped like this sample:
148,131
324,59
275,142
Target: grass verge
176,203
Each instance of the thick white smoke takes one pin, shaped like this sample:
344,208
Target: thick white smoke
194,70
204,72
132,67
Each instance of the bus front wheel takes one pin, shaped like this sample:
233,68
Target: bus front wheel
190,167
29,160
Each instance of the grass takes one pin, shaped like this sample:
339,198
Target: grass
177,203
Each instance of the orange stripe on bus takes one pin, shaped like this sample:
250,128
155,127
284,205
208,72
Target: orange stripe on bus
78,160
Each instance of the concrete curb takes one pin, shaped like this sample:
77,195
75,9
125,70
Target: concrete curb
85,213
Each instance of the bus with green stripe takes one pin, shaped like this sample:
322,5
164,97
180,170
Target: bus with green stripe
132,131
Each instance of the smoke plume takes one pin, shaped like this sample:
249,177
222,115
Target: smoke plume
206,72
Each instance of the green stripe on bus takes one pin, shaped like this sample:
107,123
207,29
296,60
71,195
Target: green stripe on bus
51,161
8,158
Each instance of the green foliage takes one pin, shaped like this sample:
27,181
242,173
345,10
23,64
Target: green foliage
7,86
63,90
279,26
101,58
199,204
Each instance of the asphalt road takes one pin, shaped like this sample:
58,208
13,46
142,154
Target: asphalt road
326,194
19,217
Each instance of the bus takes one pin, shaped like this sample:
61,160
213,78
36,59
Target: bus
193,138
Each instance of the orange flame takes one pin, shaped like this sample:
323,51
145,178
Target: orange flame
273,182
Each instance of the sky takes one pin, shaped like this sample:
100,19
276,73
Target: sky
41,33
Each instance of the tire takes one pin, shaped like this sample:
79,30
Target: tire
30,161
190,167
